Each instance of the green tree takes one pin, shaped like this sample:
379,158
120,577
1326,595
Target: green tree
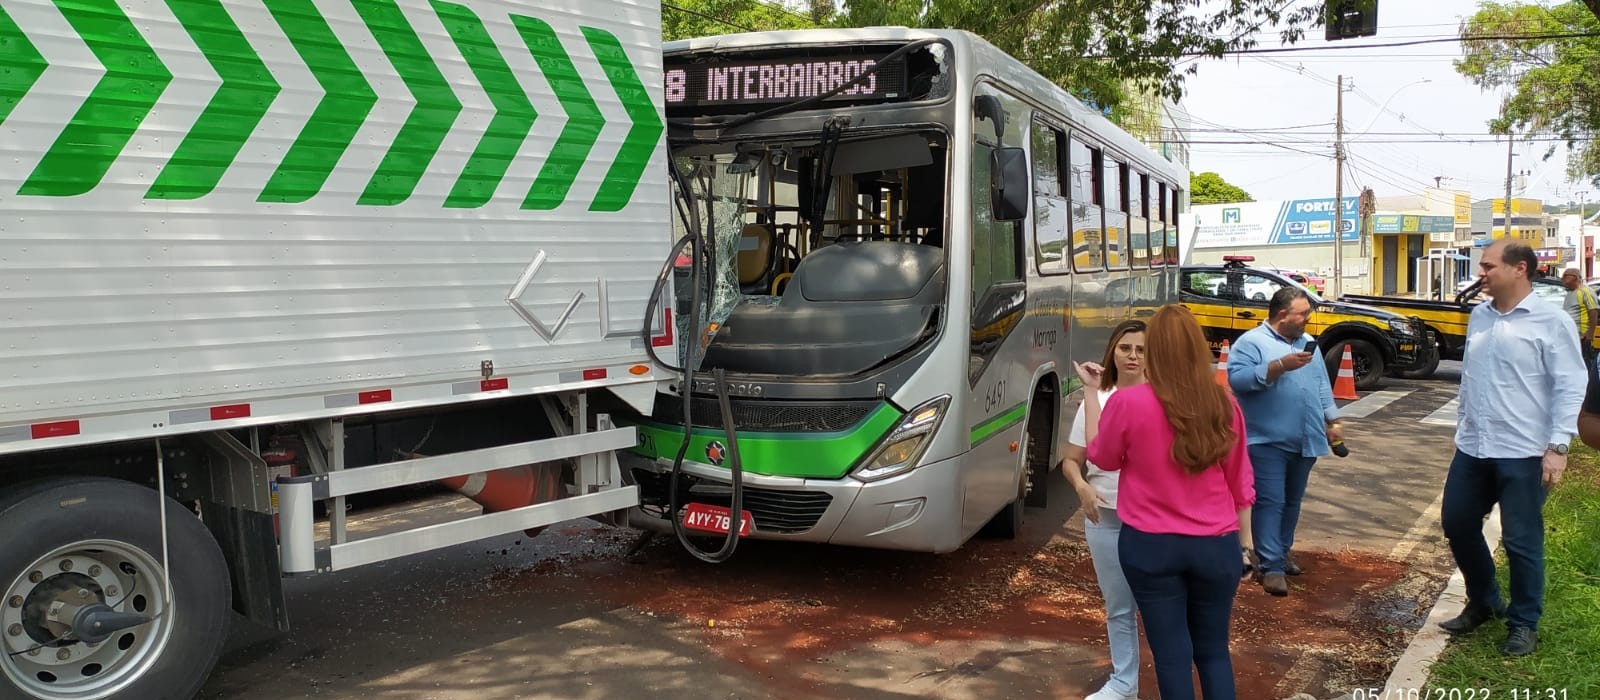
684,19
1552,84
1210,188
1100,49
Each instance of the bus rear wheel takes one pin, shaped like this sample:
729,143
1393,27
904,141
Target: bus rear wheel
85,612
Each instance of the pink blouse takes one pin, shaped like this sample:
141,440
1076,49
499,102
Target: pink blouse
1156,494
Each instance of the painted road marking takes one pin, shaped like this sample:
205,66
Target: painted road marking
1371,403
1445,415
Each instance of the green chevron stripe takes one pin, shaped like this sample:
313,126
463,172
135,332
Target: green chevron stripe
20,65
246,93
346,102
634,156
514,114
584,120
430,121
102,126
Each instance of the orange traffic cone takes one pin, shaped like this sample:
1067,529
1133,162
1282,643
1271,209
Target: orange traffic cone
1344,386
510,488
1222,366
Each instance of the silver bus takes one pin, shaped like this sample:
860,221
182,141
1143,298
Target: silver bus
914,235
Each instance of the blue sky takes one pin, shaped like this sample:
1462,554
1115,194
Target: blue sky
1291,98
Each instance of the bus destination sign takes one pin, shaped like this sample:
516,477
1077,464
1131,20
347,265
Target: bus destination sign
781,80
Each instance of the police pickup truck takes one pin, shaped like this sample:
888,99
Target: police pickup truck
1231,298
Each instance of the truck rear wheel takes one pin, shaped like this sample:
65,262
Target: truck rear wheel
1365,360
85,614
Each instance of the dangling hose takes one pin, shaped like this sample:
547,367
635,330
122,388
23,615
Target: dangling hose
693,240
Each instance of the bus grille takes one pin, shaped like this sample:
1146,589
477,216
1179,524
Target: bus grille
774,510
768,415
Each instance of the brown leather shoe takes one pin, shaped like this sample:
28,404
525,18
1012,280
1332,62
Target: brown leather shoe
1291,568
1275,583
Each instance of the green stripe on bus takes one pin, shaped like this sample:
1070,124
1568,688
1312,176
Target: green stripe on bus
800,455
991,427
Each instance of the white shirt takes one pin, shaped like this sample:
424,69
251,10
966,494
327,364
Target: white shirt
1522,381
1103,481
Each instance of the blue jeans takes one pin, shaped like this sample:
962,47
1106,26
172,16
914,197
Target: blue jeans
1184,586
1122,624
1281,478
1470,491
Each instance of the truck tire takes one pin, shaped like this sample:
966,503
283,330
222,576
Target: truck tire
1366,359
94,540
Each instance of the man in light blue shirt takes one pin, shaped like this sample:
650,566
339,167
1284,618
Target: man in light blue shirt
1522,383
1281,383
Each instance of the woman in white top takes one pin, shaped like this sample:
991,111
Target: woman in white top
1123,367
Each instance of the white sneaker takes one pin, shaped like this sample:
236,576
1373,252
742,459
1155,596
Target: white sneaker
1107,693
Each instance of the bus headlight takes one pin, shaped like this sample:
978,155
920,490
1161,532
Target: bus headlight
898,453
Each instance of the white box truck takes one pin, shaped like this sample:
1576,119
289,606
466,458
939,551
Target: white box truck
257,255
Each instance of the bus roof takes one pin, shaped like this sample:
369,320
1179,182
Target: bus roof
978,52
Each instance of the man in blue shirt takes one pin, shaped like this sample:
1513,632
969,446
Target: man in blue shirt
1281,383
1522,381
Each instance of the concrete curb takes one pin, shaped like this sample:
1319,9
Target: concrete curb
1410,673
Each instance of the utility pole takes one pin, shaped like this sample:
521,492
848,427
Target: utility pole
1509,156
1338,193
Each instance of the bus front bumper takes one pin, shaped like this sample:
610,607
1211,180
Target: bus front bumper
920,510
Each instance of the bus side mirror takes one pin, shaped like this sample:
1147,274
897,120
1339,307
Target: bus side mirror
1008,183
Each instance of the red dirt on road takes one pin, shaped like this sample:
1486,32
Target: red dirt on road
783,621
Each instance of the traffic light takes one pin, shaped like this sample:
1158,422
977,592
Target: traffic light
1348,19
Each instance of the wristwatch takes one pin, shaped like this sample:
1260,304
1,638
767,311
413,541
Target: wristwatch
1556,447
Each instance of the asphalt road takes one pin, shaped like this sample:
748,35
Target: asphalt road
572,614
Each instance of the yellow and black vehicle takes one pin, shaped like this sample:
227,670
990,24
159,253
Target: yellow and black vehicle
1231,298
1447,320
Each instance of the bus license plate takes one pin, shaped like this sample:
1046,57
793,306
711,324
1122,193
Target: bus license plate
699,516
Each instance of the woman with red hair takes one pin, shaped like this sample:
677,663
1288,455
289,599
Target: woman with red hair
1184,497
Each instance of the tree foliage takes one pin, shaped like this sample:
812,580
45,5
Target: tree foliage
1552,85
1210,188
1099,49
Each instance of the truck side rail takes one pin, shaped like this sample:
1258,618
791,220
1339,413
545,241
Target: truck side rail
300,554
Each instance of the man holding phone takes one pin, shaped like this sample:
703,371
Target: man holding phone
1290,419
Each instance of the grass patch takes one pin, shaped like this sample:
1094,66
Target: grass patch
1568,657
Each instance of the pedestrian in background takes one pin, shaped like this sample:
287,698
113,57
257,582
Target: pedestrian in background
1278,374
1522,380
1581,305
1184,499
1122,367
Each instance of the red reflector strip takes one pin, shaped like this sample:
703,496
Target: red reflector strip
57,429
381,396
593,374
665,339
238,410
495,384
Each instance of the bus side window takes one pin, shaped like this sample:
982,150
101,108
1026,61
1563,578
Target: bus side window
1051,213
1088,251
1116,217
1138,221
1172,225
1155,194
996,245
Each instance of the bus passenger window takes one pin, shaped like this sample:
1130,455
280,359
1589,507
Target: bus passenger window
1116,218
1088,246
1051,215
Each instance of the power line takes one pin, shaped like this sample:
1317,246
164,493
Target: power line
1392,44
